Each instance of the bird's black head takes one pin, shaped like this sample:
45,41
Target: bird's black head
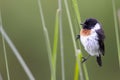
89,23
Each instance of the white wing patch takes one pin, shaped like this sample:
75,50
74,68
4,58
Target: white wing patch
97,26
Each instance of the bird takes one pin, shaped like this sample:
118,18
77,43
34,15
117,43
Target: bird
92,38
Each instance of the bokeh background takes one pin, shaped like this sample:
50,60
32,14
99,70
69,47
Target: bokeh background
22,22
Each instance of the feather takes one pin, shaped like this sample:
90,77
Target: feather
99,61
101,38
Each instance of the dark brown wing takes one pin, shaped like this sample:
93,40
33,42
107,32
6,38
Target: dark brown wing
101,38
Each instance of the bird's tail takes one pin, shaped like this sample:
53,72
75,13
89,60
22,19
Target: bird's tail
99,61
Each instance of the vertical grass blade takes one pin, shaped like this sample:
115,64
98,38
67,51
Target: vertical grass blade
116,29
86,72
1,77
47,40
61,39
77,66
76,71
75,5
55,43
5,56
5,53
76,9
119,18
73,37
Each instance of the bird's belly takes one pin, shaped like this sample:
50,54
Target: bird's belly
90,44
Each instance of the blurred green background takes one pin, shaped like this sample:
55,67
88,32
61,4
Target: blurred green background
22,22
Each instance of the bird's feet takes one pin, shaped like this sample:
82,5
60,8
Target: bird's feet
85,58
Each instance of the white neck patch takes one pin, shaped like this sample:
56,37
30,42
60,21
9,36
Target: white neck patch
97,26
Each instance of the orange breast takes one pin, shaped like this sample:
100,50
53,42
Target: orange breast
85,32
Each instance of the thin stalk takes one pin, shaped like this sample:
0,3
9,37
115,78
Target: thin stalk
55,44
76,8
61,39
86,72
119,18
5,53
73,37
17,54
1,77
116,29
76,73
6,60
47,39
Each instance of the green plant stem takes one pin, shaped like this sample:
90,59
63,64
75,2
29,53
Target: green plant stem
76,71
17,54
6,61
79,56
116,29
55,44
61,39
47,40
73,37
86,72
75,4
119,18
5,53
